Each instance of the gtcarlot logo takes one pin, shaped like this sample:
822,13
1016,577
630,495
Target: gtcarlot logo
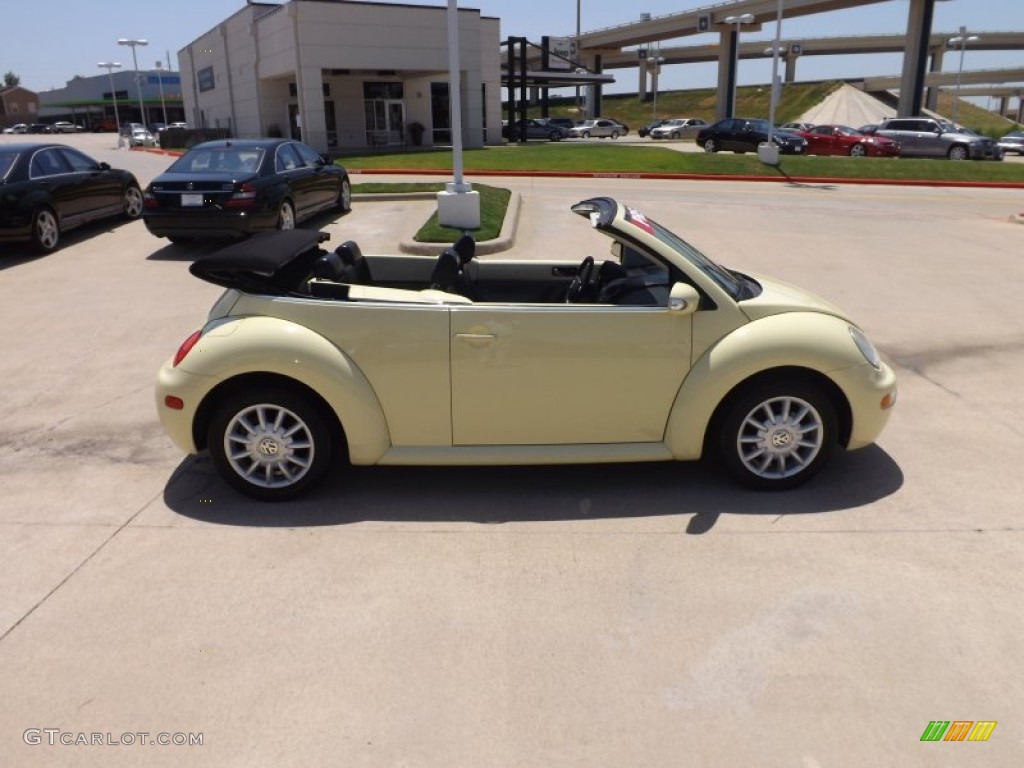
55,736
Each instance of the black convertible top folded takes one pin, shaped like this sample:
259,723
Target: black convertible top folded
268,262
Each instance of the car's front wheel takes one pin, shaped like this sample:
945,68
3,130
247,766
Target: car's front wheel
269,443
586,134
132,202
710,145
45,230
959,152
777,435
615,134
286,216
555,136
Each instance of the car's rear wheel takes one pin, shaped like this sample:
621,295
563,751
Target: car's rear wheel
132,202
555,136
710,145
615,134
858,150
45,230
269,443
675,135
286,216
778,434
958,152
586,134
345,196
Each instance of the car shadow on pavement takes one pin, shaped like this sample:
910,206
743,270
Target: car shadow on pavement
490,495
15,254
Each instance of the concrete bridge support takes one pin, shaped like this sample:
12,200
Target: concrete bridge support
724,104
919,29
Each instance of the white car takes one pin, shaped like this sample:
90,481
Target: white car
19,128
62,126
140,137
678,128
602,128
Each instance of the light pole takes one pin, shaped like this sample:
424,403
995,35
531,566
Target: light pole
739,21
160,79
110,66
134,43
962,40
654,65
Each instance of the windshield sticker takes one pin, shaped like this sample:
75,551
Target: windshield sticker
635,217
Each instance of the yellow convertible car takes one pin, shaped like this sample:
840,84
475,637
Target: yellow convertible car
313,357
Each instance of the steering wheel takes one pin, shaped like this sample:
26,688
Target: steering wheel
582,280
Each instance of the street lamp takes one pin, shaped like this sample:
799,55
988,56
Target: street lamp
962,40
739,21
133,42
654,64
160,79
110,66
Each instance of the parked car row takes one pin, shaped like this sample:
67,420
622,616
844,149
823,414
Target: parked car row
556,129
218,189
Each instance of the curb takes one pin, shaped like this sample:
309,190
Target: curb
504,241
692,177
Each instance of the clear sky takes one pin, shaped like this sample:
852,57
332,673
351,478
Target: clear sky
80,33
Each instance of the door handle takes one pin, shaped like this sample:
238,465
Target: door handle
476,339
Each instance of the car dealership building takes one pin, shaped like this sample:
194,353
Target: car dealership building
344,75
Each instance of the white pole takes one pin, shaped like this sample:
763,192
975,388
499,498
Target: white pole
775,73
455,94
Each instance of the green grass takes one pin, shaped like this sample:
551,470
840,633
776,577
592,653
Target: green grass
394,189
607,157
493,204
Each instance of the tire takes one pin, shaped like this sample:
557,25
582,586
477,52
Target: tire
344,203
586,134
858,150
45,230
710,146
615,134
554,136
777,435
132,207
269,443
286,216
957,152
676,136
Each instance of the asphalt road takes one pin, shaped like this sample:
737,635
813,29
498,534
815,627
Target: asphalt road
640,615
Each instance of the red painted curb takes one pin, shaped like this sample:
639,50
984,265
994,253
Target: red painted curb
695,177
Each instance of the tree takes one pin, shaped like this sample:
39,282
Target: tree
11,79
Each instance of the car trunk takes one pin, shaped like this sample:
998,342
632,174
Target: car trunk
199,190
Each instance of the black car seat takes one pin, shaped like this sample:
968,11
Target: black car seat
465,247
329,267
445,276
357,270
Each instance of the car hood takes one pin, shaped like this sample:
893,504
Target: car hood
778,297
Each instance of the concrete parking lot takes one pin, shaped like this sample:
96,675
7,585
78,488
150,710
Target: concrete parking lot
631,615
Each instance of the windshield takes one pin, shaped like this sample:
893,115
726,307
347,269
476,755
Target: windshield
726,280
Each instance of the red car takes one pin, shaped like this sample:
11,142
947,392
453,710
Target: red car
843,140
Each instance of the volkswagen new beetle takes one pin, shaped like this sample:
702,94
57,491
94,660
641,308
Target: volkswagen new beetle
312,358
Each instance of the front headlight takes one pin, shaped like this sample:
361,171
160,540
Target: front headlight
866,348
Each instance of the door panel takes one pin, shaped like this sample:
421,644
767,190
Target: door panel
565,374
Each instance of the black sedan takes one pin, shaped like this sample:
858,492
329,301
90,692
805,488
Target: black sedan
47,189
743,134
234,187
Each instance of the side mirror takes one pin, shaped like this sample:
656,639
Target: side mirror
683,299
104,166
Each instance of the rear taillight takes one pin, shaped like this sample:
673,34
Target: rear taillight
149,200
186,347
243,197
